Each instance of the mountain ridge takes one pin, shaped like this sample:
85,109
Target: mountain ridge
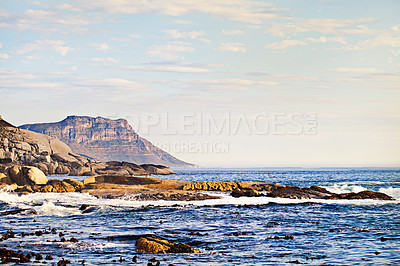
106,139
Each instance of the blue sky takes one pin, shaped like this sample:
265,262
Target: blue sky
337,62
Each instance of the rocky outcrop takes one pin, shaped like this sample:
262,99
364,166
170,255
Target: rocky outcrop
230,186
25,175
20,147
315,192
247,192
106,140
158,245
258,189
55,186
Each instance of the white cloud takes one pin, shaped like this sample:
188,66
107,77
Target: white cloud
5,56
354,70
182,22
113,84
232,32
105,60
326,26
170,68
168,51
240,10
233,47
43,20
43,45
176,34
385,38
285,44
101,46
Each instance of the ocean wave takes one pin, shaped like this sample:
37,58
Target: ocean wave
66,204
393,192
48,208
344,188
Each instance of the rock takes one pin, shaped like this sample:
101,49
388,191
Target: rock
52,168
299,193
61,186
157,169
64,158
62,170
362,195
247,192
157,245
212,186
26,175
35,175
42,167
79,171
315,192
78,185
5,179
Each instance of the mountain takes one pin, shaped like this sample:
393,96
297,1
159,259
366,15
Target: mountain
106,140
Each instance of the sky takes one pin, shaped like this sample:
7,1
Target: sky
238,83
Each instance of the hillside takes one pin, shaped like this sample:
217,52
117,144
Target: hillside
106,140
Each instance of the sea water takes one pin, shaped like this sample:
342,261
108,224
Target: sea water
233,231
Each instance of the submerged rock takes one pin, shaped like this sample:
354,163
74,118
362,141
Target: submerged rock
157,245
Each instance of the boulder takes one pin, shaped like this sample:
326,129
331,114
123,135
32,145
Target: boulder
212,186
63,158
245,192
362,195
293,192
62,170
79,171
35,175
43,167
5,179
315,192
157,169
26,175
157,245
52,168
78,185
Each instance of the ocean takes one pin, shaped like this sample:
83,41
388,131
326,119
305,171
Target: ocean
229,231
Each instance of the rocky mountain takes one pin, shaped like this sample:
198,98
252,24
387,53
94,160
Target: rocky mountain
106,140
24,153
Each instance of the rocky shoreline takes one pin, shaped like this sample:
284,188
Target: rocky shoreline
27,158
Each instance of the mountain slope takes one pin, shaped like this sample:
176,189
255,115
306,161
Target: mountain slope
106,140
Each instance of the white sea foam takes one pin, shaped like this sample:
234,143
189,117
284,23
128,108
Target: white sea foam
48,208
344,188
393,192
62,204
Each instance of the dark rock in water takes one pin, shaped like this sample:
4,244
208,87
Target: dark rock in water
246,192
280,237
18,211
299,193
63,262
362,195
86,206
158,245
315,192
9,256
